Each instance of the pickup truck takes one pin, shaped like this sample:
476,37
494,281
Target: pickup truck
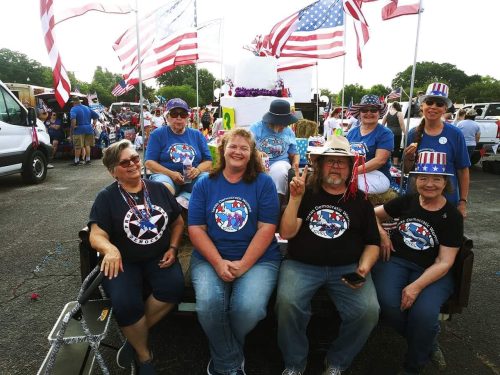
489,122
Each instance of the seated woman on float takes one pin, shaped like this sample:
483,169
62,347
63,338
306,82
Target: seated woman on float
277,140
373,141
413,277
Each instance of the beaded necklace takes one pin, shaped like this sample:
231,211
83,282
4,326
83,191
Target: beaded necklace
143,215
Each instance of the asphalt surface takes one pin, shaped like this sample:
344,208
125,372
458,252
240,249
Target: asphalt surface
39,254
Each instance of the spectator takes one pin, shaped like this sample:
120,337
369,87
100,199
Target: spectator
373,141
157,118
232,217
332,123
170,145
82,131
460,115
414,277
276,139
394,120
55,131
432,134
138,142
206,119
471,131
331,232
145,249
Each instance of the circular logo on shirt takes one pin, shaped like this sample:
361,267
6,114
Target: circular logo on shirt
145,231
328,223
416,235
180,151
443,140
273,146
231,215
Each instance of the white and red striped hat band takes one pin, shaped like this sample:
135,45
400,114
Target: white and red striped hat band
431,162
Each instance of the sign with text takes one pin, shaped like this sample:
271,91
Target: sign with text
228,120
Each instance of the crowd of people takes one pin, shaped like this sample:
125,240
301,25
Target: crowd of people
336,239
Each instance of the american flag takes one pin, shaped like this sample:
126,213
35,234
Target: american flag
353,7
348,112
394,94
168,39
62,84
121,88
393,9
431,162
285,64
315,31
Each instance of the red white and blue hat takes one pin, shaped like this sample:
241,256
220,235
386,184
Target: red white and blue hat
431,162
369,100
438,90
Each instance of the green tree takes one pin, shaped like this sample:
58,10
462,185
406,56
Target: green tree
17,67
185,92
487,90
186,75
354,92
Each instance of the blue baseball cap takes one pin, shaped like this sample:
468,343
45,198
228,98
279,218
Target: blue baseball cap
177,103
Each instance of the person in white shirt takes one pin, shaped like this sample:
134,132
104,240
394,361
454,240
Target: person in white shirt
332,123
138,142
158,119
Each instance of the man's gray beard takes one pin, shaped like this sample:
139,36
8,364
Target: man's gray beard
333,181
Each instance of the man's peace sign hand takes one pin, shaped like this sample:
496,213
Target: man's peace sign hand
298,183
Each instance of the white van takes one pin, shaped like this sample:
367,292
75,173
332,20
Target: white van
17,154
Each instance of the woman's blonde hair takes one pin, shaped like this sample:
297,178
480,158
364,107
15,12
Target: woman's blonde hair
254,166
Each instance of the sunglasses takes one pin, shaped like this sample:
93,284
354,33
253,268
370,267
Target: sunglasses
126,162
175,114
438,103
369,109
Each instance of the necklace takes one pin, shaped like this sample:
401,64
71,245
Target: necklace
144,215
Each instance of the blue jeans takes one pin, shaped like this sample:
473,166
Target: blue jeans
160,177
358,309
228,311
419,324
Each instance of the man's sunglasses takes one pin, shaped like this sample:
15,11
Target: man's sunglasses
438,103
126,162
175,114
369,109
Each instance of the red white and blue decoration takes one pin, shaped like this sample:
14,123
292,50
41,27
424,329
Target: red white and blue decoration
231,214
417,234
431,162
438,90
329,222
180,151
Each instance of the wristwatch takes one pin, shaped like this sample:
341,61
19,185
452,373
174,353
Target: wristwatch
463,200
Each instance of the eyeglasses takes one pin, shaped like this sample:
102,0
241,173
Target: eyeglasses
126,162
339,163
369,109
438,103
175,114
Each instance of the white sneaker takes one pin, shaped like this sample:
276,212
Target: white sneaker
287,371
331,370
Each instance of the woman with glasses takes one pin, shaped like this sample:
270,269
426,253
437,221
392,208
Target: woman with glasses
373,141
54,128
136,226
434,135
169,147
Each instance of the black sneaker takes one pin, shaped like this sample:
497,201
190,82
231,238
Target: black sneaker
87,162
125,355
75,163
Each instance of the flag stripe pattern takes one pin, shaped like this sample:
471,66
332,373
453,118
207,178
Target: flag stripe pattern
393,10
121,88
168,39
315,31
295,64
62,84
95,6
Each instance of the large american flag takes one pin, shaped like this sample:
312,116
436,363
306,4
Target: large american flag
62,85
121,88
168,39
316,31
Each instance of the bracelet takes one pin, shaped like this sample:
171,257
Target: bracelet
173,247
463,200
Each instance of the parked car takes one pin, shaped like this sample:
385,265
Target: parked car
18,151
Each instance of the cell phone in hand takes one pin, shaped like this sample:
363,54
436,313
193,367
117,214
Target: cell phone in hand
353,278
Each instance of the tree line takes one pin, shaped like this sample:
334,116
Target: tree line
181,82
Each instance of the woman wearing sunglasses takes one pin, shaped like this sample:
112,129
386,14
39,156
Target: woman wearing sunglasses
373,141
169,146
136,226
435,135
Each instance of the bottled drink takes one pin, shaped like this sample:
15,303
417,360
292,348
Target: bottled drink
186,167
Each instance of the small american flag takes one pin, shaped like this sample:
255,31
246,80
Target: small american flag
315,31
393,9
394,94
121,88
348,112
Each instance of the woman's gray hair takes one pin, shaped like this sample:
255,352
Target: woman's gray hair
111,155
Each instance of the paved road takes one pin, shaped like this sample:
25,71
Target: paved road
39,253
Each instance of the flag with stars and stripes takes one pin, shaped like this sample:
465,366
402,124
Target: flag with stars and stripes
316,31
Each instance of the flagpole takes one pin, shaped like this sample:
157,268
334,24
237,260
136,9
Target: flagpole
412,83
343,77
196,68
317,94
141,115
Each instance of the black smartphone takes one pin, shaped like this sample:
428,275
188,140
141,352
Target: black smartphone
353,278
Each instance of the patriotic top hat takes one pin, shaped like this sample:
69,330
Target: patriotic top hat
430,162
438,90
